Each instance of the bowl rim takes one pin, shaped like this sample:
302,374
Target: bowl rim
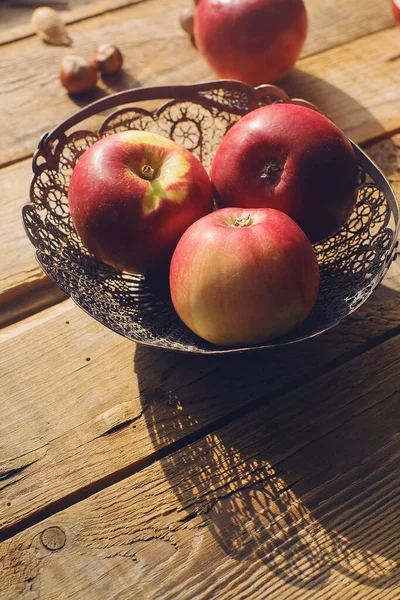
192,93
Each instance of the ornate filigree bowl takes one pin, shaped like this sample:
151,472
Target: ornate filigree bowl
352,262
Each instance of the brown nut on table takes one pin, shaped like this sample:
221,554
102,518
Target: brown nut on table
187,20
108,58
77,74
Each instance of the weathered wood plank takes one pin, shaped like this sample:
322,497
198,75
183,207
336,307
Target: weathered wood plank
86,399
16,24
157,51
360,94
297,500
331,23
155,48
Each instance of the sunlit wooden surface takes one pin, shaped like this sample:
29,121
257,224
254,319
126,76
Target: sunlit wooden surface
127,472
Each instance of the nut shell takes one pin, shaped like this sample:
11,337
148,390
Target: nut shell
49,26
186,19
108,58
77,75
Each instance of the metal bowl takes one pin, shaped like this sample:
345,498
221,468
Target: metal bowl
352,262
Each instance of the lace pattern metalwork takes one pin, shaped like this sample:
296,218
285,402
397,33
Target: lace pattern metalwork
352,262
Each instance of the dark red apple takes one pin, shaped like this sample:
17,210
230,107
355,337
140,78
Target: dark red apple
291,158
132,195
395,4
255,41
243,276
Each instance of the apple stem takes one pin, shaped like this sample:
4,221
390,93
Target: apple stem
271,169
147,172
242,222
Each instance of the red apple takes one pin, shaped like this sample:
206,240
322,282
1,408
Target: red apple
255,41
291,158
132,195
243,276
396,10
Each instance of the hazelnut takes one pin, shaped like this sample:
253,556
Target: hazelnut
49,26
108,58
78,75
187,20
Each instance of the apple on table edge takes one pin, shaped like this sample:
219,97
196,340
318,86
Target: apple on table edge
255,41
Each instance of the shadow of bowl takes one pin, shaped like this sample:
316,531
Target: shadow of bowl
350,115
282,473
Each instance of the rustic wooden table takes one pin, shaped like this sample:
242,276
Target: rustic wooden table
129,472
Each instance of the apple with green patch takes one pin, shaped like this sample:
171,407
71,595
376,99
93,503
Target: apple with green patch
132,195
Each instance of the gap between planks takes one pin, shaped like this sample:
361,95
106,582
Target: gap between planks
76,15
253,493
194,69
120,475
373,16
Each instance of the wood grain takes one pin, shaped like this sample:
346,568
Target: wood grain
127,472
155,48
331,23
297,500
18,18
80,382
361,95
356,85
87,398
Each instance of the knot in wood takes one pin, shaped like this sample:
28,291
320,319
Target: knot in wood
53,538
